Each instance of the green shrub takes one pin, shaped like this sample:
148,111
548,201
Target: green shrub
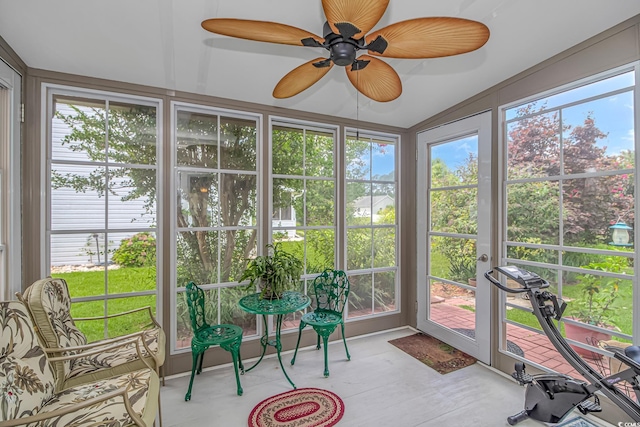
138,250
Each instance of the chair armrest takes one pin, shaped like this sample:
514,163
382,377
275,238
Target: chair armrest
100,350
100,343
87,403
124,313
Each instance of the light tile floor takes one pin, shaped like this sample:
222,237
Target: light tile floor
380,386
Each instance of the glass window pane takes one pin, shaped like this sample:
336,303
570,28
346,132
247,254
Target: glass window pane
236,200
238,144
235,247
83,282
456,307
196,257
383,204
359,248
73,186
287,150
132,134
72,251
231,313
130,323
601,86
198,196
320,202
132,249
320,250
359,203
383,161
533,211
319,149
598,261
534,145
385,291
78,130
592,205
455,211
287,194
593,140
384,247
455,162
453,258
532,254
600,301
196,139
360,296
132,198
94,330
358,159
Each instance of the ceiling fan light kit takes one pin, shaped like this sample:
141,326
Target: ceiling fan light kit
346,32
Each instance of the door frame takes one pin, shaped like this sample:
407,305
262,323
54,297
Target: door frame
479,124
10,172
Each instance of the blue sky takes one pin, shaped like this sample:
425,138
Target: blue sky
613,115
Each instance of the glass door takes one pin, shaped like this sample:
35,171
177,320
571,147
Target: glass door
454,195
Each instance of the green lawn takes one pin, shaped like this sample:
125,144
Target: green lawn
621,309
122,280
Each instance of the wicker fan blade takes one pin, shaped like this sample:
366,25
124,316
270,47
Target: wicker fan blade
261,31
377,80
431,37
364,14
301,78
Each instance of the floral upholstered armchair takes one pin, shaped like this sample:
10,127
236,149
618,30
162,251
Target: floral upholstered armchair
28,395
49,304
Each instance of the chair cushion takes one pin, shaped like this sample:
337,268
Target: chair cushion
115,362
143,395
26,379
322,318
50,306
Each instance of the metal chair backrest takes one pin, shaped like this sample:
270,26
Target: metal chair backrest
195,301
331,289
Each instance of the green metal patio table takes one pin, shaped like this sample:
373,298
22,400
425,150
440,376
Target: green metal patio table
290,302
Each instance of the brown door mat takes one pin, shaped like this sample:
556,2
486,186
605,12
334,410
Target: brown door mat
433,352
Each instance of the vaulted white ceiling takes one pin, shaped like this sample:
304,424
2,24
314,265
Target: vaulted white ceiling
161,43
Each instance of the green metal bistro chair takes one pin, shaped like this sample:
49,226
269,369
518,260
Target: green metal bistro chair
229,337
331,289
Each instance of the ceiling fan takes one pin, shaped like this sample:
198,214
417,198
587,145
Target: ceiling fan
345,33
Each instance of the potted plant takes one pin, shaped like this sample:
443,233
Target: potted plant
273,273
595,304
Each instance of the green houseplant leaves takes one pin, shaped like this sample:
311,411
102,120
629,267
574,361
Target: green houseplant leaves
273,273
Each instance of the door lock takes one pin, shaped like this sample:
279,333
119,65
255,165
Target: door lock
483,258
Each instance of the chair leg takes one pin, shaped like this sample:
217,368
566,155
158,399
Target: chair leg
318,345
163,375
240,365
236,357
325,340
194,356
344,340
300,328
199,371
159,410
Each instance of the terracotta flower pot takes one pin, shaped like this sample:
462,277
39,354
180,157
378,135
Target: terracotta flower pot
587,336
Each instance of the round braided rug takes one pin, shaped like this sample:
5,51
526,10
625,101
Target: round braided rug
304,407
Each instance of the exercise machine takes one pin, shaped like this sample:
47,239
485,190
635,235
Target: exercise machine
550,397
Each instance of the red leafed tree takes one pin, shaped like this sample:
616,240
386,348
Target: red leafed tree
589,203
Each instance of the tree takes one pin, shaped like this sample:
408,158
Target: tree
205,198
588,204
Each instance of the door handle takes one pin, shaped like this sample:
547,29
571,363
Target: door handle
483,258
